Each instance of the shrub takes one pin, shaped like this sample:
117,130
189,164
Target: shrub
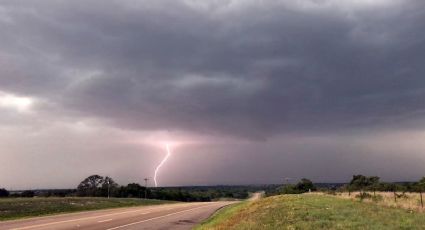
27,193
304,185
289,189
364,195
377,198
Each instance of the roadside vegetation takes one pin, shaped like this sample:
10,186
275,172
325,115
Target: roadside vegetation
408,201
407,195
313,211
13,208
223,215
363,203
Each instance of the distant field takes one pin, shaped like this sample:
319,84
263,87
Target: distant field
13,208
313,211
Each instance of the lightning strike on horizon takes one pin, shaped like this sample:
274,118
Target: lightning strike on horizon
161,163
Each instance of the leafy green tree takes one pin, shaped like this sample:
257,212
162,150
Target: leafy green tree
305,185
360,182
397,187
133,190
420,187
289,189
373,182
4,192
384,186
109,187
90,186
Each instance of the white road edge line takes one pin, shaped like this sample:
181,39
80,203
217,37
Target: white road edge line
158,217
77,213
85,218
67,221
101,221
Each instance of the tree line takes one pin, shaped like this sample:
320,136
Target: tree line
359,183
99,186
366,184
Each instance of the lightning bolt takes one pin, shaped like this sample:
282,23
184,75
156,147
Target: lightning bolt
167,147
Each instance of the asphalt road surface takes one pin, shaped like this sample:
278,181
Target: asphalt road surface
167,216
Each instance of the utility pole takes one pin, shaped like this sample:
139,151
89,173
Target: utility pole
146,187
108,186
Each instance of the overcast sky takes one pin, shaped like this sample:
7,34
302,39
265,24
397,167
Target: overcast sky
247,91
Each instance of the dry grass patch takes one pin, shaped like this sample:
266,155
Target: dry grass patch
411,201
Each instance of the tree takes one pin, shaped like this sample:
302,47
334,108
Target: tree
397,187
133,190
109,187
373,182
4,192
305,185
90,186
289,189
27,193
361,182
420,187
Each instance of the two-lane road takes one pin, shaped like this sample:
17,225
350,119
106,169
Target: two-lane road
169,216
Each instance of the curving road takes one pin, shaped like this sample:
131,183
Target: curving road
168,216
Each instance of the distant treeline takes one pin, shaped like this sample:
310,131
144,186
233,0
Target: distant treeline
98,186
358,183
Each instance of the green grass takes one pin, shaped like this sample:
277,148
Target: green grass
313,212
222,215
13,208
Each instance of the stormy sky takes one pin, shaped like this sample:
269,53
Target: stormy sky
247,91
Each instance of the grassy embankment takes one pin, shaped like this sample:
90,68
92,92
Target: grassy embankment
313,212
13,208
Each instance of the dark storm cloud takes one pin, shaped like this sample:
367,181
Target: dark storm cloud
252,69
334,87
